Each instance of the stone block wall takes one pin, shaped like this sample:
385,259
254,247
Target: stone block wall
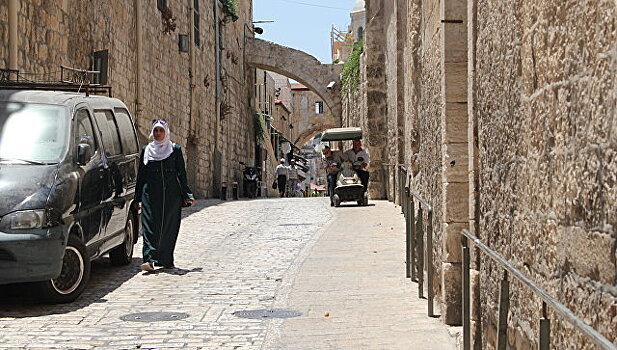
54,33
545,107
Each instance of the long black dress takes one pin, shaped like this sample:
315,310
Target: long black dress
161,189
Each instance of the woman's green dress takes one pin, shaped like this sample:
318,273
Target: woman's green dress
161,189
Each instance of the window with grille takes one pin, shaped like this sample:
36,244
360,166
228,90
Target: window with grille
319,107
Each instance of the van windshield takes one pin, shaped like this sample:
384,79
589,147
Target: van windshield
32,133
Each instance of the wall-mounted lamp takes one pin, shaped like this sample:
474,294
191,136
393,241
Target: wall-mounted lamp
258,30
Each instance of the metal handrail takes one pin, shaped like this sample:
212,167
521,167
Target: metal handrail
414,230
559,308
423,201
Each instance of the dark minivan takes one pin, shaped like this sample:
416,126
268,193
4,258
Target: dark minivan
68,168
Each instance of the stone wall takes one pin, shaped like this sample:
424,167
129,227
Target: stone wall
54,33
509,130
545,109
306,122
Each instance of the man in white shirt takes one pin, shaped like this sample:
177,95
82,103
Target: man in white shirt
281,177
360,160
292,177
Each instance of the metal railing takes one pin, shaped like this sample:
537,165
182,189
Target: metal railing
504,303
418,255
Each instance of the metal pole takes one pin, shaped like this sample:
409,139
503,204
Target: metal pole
466,296
545,330
412,238
420,247
504,305
429,262
405,202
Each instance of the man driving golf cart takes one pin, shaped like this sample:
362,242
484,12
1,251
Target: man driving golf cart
352,178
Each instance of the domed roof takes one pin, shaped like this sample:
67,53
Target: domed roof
358,6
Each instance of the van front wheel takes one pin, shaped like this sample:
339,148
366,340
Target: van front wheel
73,277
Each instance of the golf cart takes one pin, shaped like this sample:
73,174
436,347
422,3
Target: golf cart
348,186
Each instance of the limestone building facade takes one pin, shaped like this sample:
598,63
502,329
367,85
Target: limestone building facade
502,114
203,89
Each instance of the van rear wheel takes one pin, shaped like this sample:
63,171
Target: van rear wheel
73,277
123,254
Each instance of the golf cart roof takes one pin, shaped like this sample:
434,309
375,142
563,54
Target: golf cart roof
342,134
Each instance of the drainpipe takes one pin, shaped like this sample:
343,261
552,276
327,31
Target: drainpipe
140,60
192,130
217,56
13,8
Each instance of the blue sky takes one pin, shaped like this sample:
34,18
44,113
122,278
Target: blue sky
302,24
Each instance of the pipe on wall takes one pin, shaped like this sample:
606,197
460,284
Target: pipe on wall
13,8
140,59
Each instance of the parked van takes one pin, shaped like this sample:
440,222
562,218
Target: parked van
68,168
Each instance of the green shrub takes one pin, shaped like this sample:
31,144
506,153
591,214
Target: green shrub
230,7
350,76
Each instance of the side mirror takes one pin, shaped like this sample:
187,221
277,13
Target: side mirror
84,153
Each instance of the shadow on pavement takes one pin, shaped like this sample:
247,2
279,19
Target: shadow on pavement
175,271
20,300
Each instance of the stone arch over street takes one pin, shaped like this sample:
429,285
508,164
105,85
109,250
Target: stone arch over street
306,69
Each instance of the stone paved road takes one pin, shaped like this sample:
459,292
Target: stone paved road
231,256
248,255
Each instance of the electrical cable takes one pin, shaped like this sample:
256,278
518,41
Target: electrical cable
313,5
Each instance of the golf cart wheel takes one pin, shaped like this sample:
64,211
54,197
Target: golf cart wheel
123,254
337,200
73,277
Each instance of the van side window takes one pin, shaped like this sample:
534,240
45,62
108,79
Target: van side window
127,131
109,130
85,130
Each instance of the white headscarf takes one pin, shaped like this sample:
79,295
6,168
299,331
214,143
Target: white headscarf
158,150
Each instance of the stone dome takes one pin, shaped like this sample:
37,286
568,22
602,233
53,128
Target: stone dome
358,6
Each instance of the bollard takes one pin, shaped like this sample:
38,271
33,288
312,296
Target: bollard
234,190
224,191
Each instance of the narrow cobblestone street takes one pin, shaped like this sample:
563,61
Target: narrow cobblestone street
246,255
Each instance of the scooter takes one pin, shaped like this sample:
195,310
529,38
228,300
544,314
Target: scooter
251,177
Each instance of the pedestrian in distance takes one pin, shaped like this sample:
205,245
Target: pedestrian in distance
281,177
161,192
331,162
292,178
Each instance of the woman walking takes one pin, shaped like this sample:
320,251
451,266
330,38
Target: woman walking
161,192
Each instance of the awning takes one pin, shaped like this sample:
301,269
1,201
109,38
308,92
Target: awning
342,134
315,187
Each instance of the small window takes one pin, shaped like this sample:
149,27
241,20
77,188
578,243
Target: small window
319,107
196,22
161,4
85,130
360,34
127,131
109,132
100,63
